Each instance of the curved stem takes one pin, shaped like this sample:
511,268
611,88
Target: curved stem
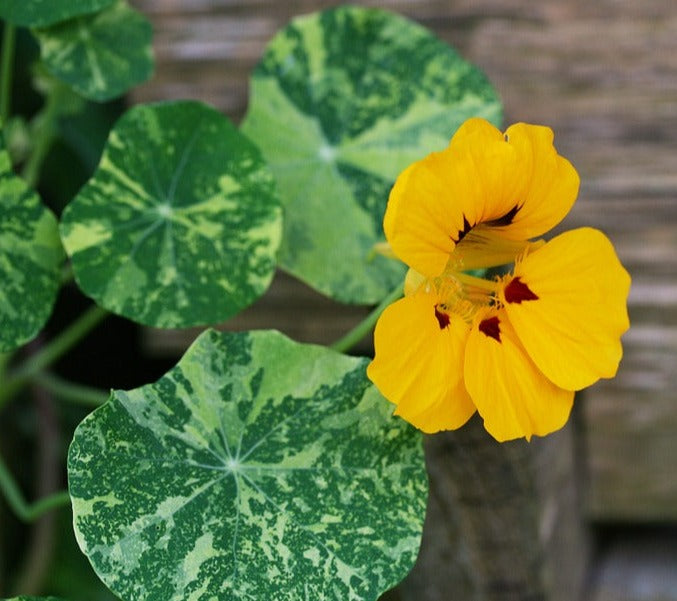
67,275
8,44
351,338
28,512
51,352
38,553
44,136
70,391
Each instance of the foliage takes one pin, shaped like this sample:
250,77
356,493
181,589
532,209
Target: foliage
257,467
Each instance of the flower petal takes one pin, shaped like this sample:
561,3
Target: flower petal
435,201
513,397
418,364
572,330
482,186
552,182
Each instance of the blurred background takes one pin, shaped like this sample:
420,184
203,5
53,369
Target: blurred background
603,75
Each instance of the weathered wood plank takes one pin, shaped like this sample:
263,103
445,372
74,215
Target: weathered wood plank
638,569
604,76
504,521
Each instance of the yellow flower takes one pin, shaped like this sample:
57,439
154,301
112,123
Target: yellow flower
514,348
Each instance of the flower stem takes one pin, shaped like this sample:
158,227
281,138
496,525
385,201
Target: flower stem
351,338
51,352
70,391
28,512
8,44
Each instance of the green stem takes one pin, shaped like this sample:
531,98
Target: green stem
45,132
28,512
8,44
51,352
67,275
351,338
69,391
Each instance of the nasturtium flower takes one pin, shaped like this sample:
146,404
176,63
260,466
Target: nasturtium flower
515,348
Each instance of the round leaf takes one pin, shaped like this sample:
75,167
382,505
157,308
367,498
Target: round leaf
30,258
28,598
100,55
179,225
341,102
258,468
39,13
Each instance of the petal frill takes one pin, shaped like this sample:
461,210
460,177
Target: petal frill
513,397
484,185
418,364
551,182
436,201
572,330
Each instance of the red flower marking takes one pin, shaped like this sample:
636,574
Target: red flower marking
442,318
517,291
491,327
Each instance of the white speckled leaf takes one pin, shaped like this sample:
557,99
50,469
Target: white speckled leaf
341,102
257,468
101,55
39,13
180,224
30,258
26,598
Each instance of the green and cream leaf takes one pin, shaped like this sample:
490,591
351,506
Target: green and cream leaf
102,55
28,598
341,102
31,257
40,13
257,468
180,224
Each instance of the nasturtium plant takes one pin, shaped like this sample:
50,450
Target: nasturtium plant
31,257
341,102
180,224
101,55
26,598
257,468
40,13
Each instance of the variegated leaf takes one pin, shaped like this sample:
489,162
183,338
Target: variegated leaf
39,13
180,224
341,102
258,468
30,258
101,55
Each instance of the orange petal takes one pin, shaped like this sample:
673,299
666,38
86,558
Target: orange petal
572,330
513,397
418,363
518,188
551,182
